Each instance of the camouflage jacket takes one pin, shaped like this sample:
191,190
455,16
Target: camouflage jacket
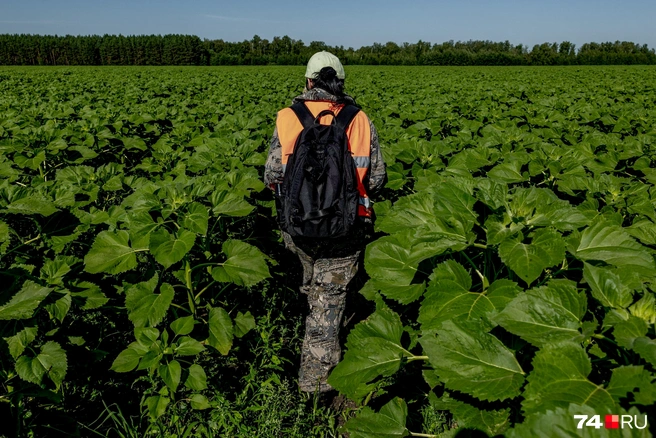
376,177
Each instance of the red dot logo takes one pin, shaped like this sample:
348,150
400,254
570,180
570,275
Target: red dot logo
612,422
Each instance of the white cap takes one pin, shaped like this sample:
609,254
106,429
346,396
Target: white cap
324,59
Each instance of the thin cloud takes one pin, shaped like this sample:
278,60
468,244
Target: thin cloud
243,19
29,21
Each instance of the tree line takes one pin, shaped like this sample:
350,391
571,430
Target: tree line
22,49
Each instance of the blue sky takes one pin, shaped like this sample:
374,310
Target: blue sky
350,23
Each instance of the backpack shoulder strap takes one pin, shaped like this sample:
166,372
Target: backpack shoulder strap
303,113
346,115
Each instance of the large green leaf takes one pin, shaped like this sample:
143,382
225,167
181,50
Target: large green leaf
633,379
536,207
547,314
506,173
389,260
33,204
561,422
53,271
448,296
92,297
389,422
373,349
32,162
127,360
404,294
51,361
422,225
560,377
24,303
187,346
644,230
111,253
499,230
221,330
608,242
199,402
607,287
646,348
451,274
627,328
436,211
183,326
146,336
245,266
245,179
645,308
168,249
151,359
230,204
195,218
157,405
134,143
491,193
141,225
244,322
197,379
492,422
528,261
20,341
630,332
470,360
59,309
170,374
146,307
5,237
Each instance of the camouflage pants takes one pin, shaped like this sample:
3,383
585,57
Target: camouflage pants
324,282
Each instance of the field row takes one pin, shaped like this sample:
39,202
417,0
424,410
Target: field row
512,276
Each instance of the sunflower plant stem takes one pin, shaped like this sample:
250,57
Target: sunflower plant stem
23,244
410,359
203,290
190,288
203,265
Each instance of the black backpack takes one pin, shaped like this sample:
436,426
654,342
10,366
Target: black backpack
319,194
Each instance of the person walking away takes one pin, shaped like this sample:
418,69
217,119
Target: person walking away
326,219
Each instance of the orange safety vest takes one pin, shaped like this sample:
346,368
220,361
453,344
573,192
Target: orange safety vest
359,141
